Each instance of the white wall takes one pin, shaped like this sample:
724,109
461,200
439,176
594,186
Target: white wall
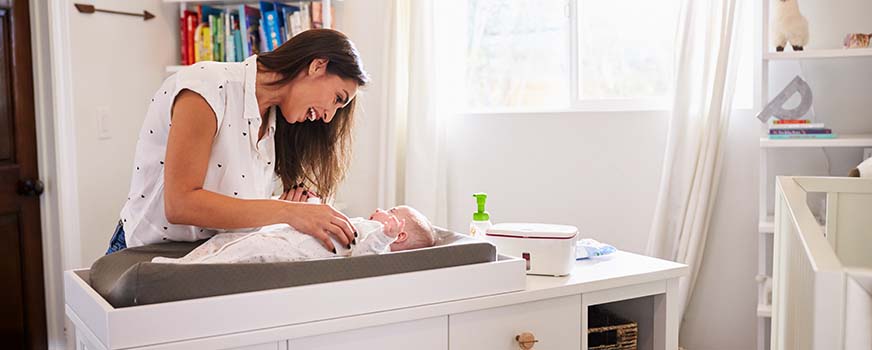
117,62
597,171
723,310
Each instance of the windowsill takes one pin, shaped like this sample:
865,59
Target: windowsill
569,112
555,112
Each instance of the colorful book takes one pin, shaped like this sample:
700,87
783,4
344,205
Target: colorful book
192,20
288,15
283,10
788,121
800,131
294,23
183,39
305,17
269,25
206,11
203,39
231,27
249,19
261,33
273,36
216,24
237,43
797,126
806,136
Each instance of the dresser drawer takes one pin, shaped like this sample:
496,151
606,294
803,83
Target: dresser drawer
556,324
282,345
426,334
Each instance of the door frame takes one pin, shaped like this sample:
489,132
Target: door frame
56,152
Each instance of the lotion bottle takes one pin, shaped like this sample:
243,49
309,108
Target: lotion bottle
480,219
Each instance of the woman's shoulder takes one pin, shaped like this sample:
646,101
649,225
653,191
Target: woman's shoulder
210,71
210,80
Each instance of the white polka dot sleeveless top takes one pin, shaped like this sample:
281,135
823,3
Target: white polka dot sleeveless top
239,166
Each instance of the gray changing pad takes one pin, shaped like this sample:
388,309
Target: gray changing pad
128,278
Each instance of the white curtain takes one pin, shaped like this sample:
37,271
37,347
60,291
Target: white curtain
413,161
705,77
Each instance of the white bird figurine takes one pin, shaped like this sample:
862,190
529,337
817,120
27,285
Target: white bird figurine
790,26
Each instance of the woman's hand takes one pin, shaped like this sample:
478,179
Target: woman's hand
321,221
298,193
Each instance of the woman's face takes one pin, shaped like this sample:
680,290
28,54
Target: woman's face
316,94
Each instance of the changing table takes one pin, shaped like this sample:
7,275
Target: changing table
554,309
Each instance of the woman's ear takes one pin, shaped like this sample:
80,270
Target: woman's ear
318,65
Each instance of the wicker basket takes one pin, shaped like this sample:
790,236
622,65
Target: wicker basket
607,331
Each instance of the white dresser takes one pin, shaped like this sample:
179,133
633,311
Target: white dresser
554,309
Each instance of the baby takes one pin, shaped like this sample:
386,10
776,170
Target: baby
398,228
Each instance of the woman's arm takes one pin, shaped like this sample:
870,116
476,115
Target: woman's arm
186,202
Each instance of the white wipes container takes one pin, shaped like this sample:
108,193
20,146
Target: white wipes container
548,249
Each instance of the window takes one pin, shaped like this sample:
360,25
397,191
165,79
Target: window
625,48
565,54
517,54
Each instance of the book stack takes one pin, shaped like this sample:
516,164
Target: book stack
233,33
798,129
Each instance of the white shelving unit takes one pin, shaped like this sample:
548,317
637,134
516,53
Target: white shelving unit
859,140
817,54
766,226
183,5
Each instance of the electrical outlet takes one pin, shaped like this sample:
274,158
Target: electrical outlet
103,123
867,153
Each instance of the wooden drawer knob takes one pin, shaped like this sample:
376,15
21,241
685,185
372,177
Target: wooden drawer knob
526,340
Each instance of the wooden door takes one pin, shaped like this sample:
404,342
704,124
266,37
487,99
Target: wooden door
22,301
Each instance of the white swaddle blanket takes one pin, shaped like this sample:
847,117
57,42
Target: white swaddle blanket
282,243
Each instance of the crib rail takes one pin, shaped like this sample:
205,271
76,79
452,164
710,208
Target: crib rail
808,276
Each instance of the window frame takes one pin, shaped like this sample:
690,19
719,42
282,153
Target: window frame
648,105
575,103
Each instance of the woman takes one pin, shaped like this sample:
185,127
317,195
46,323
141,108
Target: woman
218,135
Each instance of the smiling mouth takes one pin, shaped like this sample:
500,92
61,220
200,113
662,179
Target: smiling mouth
312,115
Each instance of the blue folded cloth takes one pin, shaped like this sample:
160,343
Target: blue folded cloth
587,248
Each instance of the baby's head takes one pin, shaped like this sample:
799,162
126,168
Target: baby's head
415,230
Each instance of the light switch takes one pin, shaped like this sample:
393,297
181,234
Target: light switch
103,123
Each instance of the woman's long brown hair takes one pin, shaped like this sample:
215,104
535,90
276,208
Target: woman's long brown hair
313,152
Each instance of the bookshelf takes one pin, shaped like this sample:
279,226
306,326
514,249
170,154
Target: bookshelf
213,2
326,13
817,54
767,147
858,140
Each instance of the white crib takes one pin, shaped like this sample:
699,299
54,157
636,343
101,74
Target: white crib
822,275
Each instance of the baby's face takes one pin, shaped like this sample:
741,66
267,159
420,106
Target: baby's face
396,213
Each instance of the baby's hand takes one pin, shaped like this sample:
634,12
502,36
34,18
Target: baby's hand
394,226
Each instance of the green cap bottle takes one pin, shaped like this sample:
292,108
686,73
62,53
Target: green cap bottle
480,215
